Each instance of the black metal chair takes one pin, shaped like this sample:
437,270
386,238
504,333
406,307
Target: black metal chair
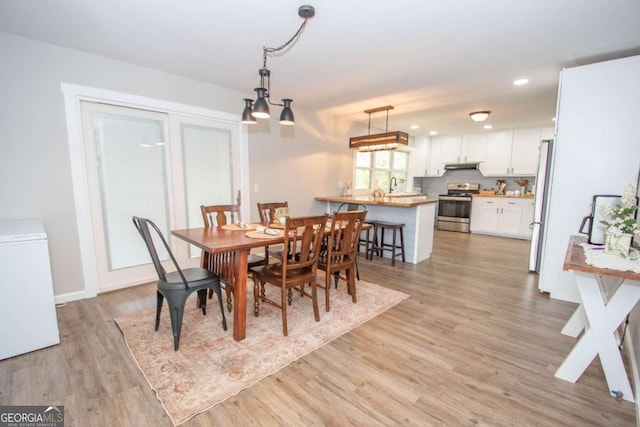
178,285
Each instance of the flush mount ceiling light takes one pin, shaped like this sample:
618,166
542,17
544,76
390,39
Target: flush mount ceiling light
479,116
379,141
260,107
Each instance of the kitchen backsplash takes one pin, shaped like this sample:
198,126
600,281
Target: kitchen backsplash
438,185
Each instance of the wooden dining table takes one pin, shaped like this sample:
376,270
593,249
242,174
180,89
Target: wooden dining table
234,246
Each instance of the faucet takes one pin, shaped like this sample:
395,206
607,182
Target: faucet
391,181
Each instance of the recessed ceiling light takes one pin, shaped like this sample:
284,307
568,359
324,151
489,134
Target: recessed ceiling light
414,126
487,126
520,82
433,132
553,119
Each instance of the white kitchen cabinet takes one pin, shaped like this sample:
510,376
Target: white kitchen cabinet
525,151
420,156
450,149
514,153
443,149
501,216
434,165
473,148
484,215
497,161
510,216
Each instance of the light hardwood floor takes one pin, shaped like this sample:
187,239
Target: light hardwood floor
475,344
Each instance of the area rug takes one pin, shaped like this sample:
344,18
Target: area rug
210,366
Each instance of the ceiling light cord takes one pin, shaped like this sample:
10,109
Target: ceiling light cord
276,51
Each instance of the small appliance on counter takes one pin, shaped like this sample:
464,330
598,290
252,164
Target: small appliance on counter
595,231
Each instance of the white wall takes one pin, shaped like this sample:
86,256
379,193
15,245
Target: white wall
597,151
35,179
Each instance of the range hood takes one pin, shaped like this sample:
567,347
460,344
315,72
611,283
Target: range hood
458,166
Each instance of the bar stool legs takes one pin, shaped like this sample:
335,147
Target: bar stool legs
379,246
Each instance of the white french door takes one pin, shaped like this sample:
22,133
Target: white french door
156,165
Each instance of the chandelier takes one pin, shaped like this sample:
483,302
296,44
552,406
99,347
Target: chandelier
260,107
380,141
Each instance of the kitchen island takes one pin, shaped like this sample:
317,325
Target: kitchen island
416,211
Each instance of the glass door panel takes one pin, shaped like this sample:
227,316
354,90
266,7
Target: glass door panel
208,171
126,164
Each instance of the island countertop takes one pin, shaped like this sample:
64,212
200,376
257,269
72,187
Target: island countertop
400,200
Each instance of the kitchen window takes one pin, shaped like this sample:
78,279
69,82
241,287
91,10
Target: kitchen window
374,169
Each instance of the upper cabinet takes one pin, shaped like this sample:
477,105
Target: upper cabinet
449,148
473,148
525,151
497,161
435,167
454,149
499,153
420,156
514,153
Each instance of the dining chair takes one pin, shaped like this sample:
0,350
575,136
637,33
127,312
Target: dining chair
267,213
176,286
366,228
305,233
219,215
339,251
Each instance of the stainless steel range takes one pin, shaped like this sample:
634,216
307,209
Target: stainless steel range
454,208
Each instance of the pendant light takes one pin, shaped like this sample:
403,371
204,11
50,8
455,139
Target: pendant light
379,141
259,109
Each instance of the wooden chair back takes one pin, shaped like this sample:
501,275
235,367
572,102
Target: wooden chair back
339,253
343,239
267,211
305,234
217,215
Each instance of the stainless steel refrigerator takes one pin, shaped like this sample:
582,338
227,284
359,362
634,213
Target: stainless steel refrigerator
540,206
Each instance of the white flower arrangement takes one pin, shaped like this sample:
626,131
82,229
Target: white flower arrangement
623,215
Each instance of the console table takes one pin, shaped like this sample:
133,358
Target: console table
604,312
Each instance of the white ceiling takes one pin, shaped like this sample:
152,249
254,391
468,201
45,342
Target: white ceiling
435,61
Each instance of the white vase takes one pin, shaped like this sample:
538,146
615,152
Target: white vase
617,244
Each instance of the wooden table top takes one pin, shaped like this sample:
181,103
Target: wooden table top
217,240
575,260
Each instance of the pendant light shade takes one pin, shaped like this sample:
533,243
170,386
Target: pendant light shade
286,117
261,108
246,113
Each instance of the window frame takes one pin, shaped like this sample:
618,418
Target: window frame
393,172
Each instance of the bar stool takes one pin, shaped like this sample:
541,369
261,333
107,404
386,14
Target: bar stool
367,227
379,246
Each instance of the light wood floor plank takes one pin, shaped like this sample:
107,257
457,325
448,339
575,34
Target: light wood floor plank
475,344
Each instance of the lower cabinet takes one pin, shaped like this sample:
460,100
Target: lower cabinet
502,216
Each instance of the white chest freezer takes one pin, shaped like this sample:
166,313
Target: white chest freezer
28,318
